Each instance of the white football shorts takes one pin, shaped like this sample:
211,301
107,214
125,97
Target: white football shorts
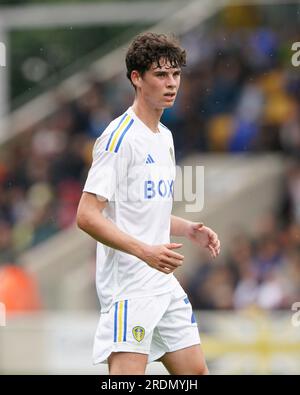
149,325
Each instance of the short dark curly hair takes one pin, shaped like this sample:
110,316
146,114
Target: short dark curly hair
149,48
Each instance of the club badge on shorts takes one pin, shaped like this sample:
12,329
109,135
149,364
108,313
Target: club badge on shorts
138,333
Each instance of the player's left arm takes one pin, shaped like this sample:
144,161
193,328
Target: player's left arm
196,232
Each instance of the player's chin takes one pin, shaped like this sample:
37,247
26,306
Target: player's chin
168,104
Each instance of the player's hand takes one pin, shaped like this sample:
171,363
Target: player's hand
162,257
204,237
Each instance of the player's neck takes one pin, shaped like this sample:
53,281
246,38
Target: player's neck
149,116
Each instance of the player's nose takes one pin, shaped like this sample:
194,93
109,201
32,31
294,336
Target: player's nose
171,81
171,84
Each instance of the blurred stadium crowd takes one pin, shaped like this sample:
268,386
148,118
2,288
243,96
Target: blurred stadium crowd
239,94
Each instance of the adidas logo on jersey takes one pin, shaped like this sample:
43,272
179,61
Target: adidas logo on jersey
149,159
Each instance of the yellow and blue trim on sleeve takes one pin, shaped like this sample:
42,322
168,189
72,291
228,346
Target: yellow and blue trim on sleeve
120,321
118,133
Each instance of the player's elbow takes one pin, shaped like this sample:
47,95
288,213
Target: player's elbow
82,219
89,212
79,220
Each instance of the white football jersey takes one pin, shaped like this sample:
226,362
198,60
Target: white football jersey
134,169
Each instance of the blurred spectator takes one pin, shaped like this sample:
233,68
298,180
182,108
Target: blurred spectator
18,290
262,272
7,253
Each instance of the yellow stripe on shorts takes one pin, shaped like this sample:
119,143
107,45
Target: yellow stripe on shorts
120,320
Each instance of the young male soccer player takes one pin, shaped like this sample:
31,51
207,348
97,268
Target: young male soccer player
126,206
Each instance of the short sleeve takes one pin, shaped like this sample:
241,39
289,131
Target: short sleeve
109,168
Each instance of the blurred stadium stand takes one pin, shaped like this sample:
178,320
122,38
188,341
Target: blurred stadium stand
238,116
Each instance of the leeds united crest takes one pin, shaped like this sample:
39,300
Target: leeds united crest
138,333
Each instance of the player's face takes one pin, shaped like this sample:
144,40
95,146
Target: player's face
159,85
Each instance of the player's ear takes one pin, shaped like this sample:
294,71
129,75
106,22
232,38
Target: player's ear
135,78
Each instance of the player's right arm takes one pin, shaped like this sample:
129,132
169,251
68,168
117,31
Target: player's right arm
91,220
